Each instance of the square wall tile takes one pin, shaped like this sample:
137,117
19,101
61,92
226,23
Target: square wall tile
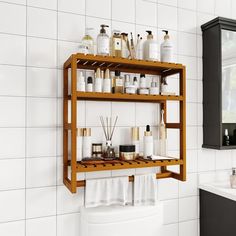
67,202
191,117
223,159
191,66
42,52
206,6
171,211
100,8
191,139
14,180
187,21
41,23
12,112
149,9
41,112
52,4
12,205
125,113
12,137
71,27
191,161
74,6
170,230
188,228
188,208
206,160
68,225
9,24
189,187
12,75
40,202
123,10
163,17
41,82
12,50
13,228
41,226
187,44
123,27
191,91
223,8
41,142
41,172
188,4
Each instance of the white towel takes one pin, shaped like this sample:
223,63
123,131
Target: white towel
145,190
107,191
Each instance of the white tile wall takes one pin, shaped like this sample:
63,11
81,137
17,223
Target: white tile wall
36,37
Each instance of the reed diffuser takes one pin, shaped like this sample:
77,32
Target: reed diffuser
108,130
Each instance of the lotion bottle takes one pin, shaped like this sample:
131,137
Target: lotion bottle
150,48
166,48
98,81
87,143
103,42
107,82
81,82
147,143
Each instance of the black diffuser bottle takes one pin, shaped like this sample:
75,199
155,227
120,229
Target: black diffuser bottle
226,138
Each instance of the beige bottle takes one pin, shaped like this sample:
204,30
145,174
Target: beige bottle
162,136
115,45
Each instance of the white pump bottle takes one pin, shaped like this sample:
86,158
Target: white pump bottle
166,48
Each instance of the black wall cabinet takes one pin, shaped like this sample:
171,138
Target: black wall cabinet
219,82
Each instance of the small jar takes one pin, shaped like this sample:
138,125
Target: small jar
143,91
97,149
130,89
127,152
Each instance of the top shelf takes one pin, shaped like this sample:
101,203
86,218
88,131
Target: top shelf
91,62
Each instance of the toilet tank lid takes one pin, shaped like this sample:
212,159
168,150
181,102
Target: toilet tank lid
119,213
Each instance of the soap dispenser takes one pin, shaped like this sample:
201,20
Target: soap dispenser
166,48
103,42
150,48
233,178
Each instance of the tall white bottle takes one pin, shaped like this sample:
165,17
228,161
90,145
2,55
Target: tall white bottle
107,82
150,48
98,81
81,82
87,143
162,136
147,143
79,144
166,48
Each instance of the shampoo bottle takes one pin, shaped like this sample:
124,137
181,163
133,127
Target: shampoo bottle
147,143
150,48
166,48
87,143
103,42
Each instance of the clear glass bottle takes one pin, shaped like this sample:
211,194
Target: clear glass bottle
103,42
88,41
115,46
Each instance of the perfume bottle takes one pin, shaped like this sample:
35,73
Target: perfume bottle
233,178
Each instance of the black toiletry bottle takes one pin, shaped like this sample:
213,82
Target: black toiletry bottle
226,138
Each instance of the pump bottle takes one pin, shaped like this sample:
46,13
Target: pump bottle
103,42
150,48
166,48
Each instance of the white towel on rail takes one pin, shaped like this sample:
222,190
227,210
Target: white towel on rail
145,189
107,191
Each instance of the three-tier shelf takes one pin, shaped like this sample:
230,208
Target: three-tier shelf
91,62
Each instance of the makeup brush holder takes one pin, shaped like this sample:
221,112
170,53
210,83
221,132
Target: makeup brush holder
109,152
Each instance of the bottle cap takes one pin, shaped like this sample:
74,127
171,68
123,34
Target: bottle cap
135,133
102,30
166,35
142,75
135,79
87,132
149,36
89,80
148,131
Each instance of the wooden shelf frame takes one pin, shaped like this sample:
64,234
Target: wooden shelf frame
91,62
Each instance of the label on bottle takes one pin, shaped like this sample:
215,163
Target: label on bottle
166,53
119,82
117,44
153,51
103,45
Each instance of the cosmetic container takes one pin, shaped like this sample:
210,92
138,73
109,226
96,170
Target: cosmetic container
127,152
115,45
143,91
127,82
87,143
130,89
88,41
143,81
147,143
98,81
97,150
89,87
150,48
80,82
164,86
135,140
166,48
139,49
79,144
136,84
118,83
109,151
154,89
124,45
103,42
107,82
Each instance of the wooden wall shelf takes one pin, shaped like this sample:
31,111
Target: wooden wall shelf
91,62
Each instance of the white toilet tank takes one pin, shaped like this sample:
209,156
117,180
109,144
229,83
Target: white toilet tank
122,221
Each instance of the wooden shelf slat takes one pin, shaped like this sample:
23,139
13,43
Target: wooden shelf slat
92,96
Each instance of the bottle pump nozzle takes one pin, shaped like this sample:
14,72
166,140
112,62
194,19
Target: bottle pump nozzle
149,36
166,35
102,30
